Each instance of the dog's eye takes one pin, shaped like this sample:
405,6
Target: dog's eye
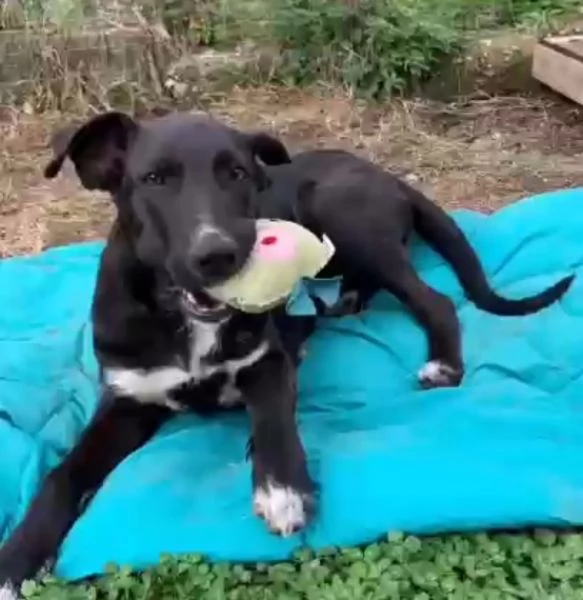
154,178
238,174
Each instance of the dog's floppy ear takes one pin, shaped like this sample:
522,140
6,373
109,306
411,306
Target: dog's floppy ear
98,150
269,149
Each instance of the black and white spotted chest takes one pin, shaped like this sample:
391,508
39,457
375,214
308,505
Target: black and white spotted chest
213,373
204,378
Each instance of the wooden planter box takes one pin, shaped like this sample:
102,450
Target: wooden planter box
558,63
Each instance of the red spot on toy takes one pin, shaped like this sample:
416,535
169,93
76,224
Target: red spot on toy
269,240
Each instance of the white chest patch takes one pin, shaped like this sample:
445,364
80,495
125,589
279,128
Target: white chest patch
152,386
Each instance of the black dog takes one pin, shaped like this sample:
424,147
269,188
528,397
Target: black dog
370,215
187,191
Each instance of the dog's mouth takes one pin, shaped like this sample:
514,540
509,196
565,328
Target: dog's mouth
201,306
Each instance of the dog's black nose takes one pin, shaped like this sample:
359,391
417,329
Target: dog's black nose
214,255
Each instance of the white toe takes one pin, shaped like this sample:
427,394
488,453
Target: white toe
7,592
283,508
436,373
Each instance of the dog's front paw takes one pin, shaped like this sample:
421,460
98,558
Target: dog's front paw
437,373
285,509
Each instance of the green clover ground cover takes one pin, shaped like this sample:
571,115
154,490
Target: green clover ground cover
543,565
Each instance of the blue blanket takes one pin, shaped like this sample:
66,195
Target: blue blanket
504,450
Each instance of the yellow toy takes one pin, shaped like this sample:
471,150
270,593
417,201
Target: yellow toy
282,267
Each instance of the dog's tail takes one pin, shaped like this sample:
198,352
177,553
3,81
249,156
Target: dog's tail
446,238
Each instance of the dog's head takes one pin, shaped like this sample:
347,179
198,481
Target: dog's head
185,186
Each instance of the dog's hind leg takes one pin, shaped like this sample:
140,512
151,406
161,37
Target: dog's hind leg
120,426
385,264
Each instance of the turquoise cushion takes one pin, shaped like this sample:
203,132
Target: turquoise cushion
503,450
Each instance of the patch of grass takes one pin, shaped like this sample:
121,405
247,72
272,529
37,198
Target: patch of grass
373,49
382,47
61,13
479,14
540,566
376,47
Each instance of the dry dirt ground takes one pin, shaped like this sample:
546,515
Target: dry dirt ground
480,154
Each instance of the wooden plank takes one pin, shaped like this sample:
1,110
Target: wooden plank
558,63
572,44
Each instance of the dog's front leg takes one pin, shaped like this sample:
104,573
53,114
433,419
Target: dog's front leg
283,490
120,426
